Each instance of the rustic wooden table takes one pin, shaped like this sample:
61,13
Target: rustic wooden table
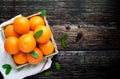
94,36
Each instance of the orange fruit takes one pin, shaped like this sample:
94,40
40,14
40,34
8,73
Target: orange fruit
9,31
21,25
20,58
46,34
26,43
47,48
32,60
11,45
36,21
31,32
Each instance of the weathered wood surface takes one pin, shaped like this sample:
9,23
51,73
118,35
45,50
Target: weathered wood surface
84,65
60,12
99,21
92,37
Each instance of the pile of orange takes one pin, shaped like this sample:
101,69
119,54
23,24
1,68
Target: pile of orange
28,40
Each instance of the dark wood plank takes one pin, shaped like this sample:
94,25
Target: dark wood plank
92,38
60,12
84,65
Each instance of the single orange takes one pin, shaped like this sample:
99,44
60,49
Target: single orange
47,48
32,60
46,34
26,43
36,21
21,25
9,31
11,45
20,58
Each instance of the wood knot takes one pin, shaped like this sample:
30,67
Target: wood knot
79,26
79,35
67,27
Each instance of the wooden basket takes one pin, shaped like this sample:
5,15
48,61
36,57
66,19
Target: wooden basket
52,39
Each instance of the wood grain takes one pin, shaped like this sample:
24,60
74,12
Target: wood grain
93,37
60,12
84,65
